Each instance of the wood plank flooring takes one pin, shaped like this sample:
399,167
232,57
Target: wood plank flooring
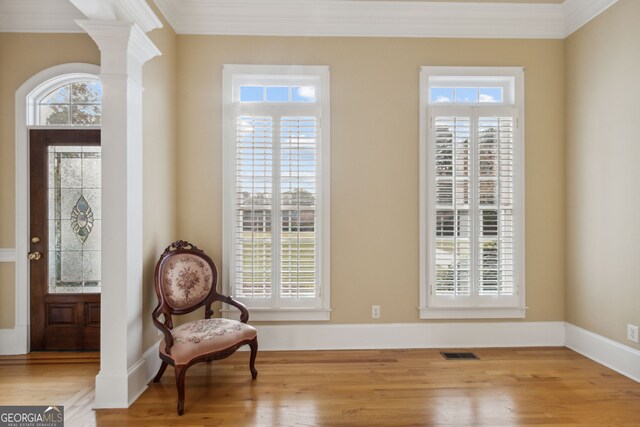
506,387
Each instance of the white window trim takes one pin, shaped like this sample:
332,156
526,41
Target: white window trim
33,102
426,309
320,310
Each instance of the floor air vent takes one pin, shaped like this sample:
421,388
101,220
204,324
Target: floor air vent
459,356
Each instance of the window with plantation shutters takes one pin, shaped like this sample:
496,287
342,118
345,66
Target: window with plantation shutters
276,175
471,191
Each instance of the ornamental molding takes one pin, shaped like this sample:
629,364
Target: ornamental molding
386,18
134,11
353,18
579,12
60,16
114,36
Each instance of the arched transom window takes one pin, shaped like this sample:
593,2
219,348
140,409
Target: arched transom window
76,103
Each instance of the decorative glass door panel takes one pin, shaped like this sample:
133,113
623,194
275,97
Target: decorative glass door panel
65,217
74,219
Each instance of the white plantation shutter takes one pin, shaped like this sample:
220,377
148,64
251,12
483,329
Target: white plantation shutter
298,189
473,258
453,205
495,209
275,226
254,196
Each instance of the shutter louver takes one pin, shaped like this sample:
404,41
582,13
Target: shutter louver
495,210
298,164
453,219
474,223
253,231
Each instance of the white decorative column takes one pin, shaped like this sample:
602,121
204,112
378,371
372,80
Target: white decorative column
124,49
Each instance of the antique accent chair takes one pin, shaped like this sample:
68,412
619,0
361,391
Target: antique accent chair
185,280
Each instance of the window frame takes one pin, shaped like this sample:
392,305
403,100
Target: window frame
234,76
513,100
34,101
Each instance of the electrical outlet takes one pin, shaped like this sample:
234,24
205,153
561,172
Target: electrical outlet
375,312
632,333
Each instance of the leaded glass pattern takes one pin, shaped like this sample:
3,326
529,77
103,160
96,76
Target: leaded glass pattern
74,216
74,104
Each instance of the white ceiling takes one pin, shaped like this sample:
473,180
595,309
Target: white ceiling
485,1
359,18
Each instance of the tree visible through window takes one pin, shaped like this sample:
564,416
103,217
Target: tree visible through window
73,104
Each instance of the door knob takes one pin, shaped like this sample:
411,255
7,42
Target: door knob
34,256
35,240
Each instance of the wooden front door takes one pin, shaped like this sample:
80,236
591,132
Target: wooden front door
65,208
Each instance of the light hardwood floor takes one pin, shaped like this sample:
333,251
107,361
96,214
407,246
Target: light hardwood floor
507,387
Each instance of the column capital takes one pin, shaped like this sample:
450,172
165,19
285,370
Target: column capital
137,11
118,37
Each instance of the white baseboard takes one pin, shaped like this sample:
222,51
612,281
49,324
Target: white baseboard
410,335
138,383
13,341
120,391
153,361
609,353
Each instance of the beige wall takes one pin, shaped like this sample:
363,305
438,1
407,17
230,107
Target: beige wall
374,157
603,150
7,295
22,56
160,176
374,154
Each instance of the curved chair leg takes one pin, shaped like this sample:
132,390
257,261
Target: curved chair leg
181,370
254,352
160,373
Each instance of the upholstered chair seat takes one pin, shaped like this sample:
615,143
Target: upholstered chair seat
201,337
186,280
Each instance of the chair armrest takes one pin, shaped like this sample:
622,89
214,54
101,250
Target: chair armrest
168,337
244,313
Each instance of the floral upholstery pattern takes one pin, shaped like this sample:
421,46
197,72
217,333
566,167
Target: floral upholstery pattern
187,280
205,329
206,336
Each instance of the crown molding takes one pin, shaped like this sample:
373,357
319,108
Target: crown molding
354,18
140,12
60,16
579,12
135,11
37,16
364,18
